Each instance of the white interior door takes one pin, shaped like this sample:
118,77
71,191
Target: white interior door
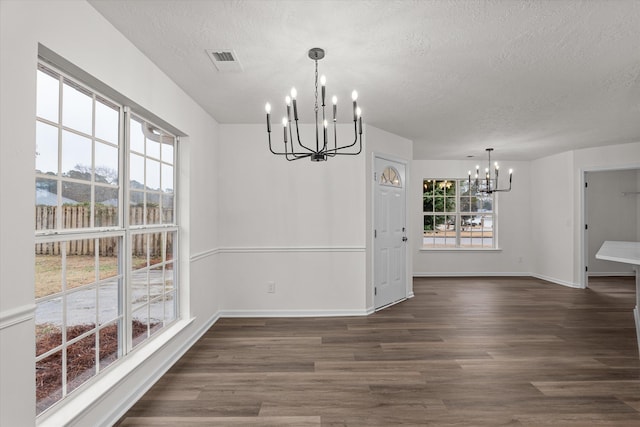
390,233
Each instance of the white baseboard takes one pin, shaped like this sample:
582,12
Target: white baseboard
558,281
295,313
470,274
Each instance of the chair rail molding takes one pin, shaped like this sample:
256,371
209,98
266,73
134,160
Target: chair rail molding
17,315
276,249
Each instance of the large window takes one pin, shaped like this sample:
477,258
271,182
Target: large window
456,215
105,275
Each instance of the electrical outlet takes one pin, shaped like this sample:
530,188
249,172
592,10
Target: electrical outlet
271,287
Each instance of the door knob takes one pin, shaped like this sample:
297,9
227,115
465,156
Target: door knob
404,238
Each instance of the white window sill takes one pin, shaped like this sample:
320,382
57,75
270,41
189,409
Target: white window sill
66,411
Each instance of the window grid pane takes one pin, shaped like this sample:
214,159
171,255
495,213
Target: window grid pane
76,155
456,215
151,174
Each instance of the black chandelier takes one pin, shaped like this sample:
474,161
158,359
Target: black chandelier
323,148
489,185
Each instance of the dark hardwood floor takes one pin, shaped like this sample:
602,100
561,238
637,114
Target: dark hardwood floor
462,352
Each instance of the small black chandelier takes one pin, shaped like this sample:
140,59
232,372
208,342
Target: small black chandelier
489,185
323,148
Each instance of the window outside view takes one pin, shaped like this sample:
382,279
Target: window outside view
104,282
456,215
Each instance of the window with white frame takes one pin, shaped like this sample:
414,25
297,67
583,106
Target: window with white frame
105,251
457,215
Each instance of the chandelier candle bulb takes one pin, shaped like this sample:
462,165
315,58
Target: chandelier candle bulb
359,115
354,97
294,93
267,108
287,100
334,100
324,126
284,126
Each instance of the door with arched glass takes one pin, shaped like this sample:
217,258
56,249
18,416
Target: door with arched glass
390,233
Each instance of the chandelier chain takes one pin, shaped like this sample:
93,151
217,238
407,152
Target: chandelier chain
316,93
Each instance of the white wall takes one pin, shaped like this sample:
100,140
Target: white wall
299,224
553,219
611,215
384,143
74,30
514,222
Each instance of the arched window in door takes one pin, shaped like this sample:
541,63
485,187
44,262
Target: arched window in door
390,177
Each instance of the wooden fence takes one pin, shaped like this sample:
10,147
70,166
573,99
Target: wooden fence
78,216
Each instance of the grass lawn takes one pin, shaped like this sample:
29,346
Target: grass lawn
80,271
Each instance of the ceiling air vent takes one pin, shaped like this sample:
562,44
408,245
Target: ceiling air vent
225,60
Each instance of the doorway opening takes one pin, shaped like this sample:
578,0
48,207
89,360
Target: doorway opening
611,211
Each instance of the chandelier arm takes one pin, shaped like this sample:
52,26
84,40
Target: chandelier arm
293,152
355,131
330,152
286,153
505,190
291,159
336,151
291,156
300,142
271,148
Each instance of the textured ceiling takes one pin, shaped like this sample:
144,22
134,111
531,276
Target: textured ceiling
530,78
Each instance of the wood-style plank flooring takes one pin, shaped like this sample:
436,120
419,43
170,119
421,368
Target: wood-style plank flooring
462,352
